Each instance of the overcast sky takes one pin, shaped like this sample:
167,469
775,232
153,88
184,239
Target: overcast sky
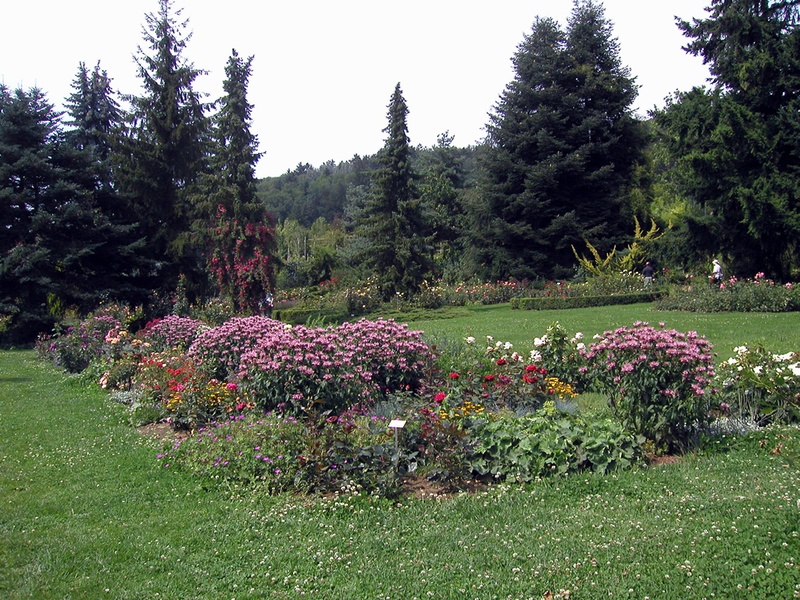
324,70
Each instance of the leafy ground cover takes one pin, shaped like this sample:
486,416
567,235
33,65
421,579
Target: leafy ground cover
88,511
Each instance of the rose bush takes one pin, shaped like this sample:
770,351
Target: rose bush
759,385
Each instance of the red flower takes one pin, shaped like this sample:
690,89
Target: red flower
439,397
454,375
489,377
502,361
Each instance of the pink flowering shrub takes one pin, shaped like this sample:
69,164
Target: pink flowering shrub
657,381
313,371
171,332
219,350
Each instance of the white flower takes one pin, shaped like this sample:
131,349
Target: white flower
469,340
516,356
498,343
758,369
508,346
597,336
538,342
536,356
581,346
783,357
732,361
579,336
489,339
795,368
740,349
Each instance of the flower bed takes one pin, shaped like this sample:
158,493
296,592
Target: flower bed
307,408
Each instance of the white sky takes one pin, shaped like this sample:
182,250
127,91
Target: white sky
324,70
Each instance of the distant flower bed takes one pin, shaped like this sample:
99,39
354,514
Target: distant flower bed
758,294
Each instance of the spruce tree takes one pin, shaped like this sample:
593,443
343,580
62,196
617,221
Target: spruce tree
231,181
164,147
118,268
441,181
60,251
398,243
240,236
94,113
561,148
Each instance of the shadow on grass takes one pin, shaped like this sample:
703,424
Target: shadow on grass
16,379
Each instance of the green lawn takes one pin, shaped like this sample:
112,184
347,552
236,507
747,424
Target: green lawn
779,332
88,513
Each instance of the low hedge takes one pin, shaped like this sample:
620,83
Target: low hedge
301,316
584,301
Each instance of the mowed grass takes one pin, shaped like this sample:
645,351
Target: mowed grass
86,511
779,332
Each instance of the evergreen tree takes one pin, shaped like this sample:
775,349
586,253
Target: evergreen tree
60,251
95,114
398,248
737,144
164,148
231,181
243,242
30,185
562,146
118,267
442,179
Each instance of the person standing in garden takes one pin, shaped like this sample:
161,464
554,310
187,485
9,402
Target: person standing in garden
648,273
716,271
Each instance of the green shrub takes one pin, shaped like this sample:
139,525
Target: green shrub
302,316
557,303
214,312
612,284
262,451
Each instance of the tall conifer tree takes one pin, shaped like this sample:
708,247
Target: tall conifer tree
398,248
242,239
737,144
60,250
165,147
562,146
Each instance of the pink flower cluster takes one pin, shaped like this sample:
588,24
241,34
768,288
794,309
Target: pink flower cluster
219,350
646,360
332,367
656,379
171,332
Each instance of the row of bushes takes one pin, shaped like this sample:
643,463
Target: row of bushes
742,295
335,303
549,303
